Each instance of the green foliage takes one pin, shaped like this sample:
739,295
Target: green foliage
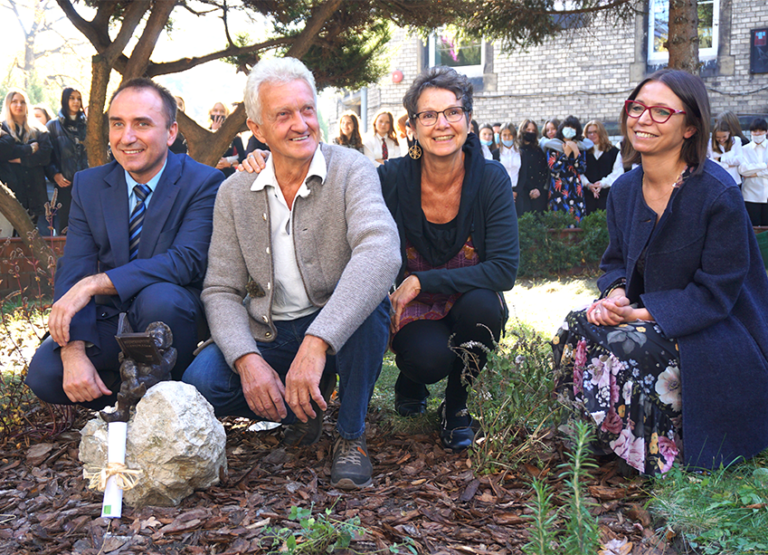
318,534
512,399
548,247
544,519
581,532
722,512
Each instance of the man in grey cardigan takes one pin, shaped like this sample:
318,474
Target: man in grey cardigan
300,263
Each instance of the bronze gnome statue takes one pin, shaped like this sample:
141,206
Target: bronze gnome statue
147,359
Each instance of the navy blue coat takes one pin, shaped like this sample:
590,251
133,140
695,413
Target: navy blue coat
174,239
706,286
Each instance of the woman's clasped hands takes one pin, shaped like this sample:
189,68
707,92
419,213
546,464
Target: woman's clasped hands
615,310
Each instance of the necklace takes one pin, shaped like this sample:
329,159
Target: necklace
665,192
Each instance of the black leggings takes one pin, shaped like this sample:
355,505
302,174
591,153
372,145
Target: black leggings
423,354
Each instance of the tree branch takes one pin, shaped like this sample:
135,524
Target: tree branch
313,27
96,33
184,64
158,18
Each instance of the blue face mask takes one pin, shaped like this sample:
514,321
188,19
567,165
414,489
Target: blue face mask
486,143
507,144
496,137
569,132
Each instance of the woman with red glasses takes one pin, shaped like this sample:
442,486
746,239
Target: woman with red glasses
671,363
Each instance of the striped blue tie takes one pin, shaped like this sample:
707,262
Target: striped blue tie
137,218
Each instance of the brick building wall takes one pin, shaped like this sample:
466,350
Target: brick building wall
585,72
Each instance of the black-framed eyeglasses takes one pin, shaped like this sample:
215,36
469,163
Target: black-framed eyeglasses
428,118
659,114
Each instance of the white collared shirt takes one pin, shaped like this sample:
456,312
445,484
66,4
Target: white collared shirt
510,159
152,183
372,148
290,299
754,170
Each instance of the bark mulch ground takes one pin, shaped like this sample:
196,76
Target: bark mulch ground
420,491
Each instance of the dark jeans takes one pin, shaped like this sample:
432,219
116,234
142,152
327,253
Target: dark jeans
358,364
423,348
177,306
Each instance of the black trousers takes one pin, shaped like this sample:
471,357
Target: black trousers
757,212
177,306
426,349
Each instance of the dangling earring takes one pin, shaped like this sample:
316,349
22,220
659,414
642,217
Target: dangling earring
415,151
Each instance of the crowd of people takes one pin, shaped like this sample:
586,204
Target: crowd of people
308,264
581,161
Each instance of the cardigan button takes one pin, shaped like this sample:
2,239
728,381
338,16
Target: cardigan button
264,215
269,286
268,334
266,320
268,251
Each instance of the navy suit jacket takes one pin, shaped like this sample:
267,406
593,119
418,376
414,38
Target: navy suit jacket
174,242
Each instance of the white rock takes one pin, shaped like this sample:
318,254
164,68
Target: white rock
173,437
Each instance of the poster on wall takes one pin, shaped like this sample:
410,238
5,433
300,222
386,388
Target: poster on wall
758,51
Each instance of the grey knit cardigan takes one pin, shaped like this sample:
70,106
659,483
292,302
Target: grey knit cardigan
347,249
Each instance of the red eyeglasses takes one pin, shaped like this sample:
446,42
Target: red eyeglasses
659,114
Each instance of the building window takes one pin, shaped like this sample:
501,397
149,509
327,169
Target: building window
467,57
658,30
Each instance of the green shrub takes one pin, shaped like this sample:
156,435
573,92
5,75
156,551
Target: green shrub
512,399
547,250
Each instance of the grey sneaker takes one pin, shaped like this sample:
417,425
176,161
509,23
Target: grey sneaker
351,466
301,434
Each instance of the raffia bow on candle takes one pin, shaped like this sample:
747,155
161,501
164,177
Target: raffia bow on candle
126,478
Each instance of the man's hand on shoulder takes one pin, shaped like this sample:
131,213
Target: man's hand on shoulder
81,380
73,301
262,387
302,384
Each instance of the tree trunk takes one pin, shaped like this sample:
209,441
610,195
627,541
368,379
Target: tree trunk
95,137
207,147
683,41
17,215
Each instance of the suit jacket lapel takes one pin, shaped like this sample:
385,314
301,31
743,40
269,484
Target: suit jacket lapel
114,204
160,206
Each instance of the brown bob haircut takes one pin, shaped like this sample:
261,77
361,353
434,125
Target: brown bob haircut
692,93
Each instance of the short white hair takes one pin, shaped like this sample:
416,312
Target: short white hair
276,70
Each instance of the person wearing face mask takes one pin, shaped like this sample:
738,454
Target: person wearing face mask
754,171
486,140
509,155
566,167
68,156
604,166
497,135
533,179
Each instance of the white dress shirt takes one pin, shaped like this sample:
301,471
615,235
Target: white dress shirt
290,300
754,170
730,160
616,172
372,148
510,159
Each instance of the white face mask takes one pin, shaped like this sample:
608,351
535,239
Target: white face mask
758,138
569,132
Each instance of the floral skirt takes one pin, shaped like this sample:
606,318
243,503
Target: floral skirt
625,378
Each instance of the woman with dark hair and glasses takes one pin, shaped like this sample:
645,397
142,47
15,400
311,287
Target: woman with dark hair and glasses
458,235
671,363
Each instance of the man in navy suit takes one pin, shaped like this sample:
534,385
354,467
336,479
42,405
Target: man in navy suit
155,274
